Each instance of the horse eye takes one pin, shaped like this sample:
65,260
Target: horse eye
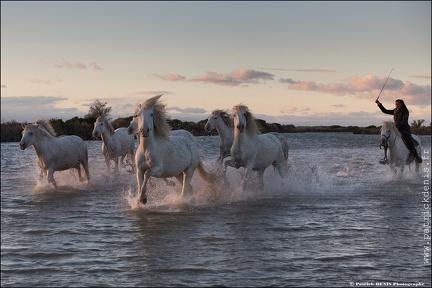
135,116
215,118
245,114
151,115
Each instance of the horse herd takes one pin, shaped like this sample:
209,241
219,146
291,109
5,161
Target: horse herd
164,153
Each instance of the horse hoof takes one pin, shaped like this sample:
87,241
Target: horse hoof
142,201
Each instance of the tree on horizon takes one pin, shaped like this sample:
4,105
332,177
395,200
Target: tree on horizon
98,109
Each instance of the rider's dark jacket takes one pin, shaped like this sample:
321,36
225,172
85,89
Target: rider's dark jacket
400,117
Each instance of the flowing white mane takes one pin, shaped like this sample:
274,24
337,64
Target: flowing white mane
225,117
390,125
161,126
45,126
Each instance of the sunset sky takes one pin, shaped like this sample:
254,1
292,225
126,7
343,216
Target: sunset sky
301,63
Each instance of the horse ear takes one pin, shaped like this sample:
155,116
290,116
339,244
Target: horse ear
23,126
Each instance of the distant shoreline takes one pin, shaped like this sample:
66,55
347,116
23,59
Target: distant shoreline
83,127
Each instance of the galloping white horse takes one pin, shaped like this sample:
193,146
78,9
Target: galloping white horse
55,153
222,122
115,143
398,154
162,155
252,150
132,129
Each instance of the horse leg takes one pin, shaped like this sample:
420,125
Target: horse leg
246,178
260,175
81,179
51,177
84,163
122,161
131,156
187,177
107,162
116,163
226,164
42,173
142,198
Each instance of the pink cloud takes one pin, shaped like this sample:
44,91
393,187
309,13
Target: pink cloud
367,87
95,66
234,78
169,77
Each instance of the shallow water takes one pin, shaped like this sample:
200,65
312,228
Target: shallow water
338,218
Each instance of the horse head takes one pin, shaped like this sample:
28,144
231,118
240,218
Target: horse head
151,118
28,136
101,126
387,129
212,120
244,120
133,126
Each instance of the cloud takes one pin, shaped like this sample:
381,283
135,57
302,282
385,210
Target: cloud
70,65
340,106
77,65
26,101
41,81
235,78
28,108
367,87
303,70
169,77
296,110
175,109
95,66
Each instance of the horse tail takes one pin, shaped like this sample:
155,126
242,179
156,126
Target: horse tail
205,175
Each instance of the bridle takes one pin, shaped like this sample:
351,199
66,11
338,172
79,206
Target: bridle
385,146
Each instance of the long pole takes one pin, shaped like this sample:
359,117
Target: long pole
384,85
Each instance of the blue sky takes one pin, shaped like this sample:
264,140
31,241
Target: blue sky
301,63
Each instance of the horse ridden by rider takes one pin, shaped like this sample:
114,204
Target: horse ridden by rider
400,117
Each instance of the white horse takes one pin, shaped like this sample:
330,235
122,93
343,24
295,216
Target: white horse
55,153
396,152
222,122
115,143
162,155
252,150
132,129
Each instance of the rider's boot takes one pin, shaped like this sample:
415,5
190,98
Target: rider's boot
416,156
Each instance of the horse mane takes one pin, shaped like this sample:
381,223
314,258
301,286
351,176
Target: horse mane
391,126
46,127
107,124
161,126
137,108
225,117
251,126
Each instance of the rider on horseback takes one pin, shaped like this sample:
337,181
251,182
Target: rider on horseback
400,117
